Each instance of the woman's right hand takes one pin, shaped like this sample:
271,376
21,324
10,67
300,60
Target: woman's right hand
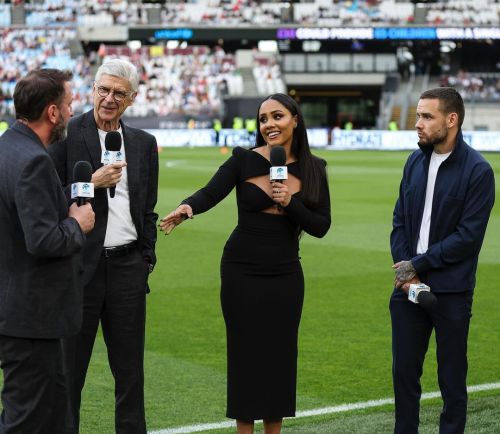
170,221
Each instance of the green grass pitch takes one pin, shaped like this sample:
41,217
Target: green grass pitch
345,334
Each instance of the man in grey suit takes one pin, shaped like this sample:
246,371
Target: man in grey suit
119,253
40,292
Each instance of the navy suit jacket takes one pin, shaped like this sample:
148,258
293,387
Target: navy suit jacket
82,143
40,288
464,195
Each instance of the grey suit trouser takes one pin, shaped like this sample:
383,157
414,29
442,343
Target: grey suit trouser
34,388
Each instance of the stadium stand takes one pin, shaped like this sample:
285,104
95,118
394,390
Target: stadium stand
197,79
359,13
333,13
104,12
462,12
5,18
267,75
214,12
51,12
25,49
475,86
191,80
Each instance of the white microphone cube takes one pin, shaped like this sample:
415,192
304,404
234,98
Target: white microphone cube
82,189
415,289
278,173
111,157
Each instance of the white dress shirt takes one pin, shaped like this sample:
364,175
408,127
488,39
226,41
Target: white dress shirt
120,229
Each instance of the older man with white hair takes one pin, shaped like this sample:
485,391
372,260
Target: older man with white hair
119,254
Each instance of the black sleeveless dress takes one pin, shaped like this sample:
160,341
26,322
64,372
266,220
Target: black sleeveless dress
262,286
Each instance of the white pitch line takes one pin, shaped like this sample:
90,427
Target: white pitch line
318,411
173,163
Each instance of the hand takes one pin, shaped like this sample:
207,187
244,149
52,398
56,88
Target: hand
84,215
281,195
108,175
404,272
175,218
406,286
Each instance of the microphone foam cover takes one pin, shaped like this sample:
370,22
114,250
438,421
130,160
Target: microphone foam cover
113,141
277,156
82,171
427,300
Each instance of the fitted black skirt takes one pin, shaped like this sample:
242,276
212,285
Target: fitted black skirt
262,291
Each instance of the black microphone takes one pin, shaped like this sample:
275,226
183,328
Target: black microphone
420,293
427,300
278,171
82,189
113,142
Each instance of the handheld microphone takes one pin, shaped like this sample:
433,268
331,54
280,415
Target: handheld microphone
420,293
278,171
112,143
82,189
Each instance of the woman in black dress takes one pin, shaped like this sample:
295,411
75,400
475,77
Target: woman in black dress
262,285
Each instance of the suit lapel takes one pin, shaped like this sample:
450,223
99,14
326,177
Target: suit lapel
91,139
133,159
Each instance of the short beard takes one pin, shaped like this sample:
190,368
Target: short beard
60,131
434,140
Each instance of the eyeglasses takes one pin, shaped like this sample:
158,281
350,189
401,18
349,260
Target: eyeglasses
118,95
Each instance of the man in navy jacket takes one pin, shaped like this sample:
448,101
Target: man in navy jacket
440,218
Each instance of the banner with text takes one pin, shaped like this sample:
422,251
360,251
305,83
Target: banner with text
335,139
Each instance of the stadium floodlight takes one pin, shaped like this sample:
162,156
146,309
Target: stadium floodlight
447,46
134,45
311,46
268,46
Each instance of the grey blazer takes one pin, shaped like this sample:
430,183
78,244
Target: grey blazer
82,143
40,288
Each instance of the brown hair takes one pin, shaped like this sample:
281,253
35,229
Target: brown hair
38,89
450,101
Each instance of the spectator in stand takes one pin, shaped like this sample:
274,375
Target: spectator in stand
474,86
22,50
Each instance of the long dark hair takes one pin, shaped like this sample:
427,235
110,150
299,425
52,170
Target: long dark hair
312,169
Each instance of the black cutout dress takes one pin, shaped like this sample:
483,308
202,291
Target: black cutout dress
262,286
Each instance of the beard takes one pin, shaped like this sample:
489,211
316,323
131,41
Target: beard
434,139
60,131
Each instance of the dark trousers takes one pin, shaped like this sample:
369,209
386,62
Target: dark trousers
34,388
116,296
411,329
